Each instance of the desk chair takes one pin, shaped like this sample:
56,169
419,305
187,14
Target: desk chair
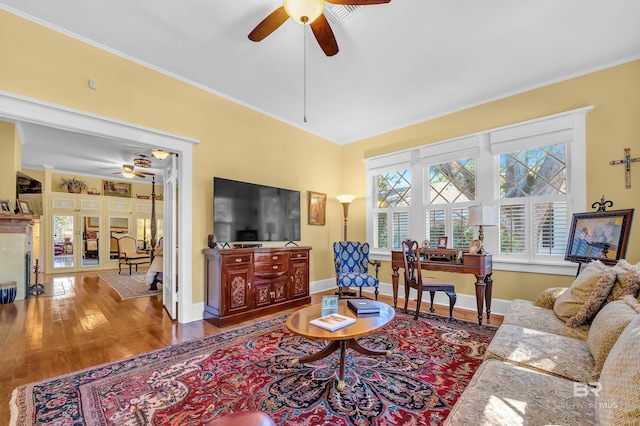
413,279
352,262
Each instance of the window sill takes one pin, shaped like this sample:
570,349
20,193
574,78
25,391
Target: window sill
550,268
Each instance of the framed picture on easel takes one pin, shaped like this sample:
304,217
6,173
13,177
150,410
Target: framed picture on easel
601,235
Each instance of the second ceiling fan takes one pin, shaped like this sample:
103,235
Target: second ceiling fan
306,12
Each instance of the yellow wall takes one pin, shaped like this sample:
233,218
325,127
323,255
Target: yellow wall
611,126
11,153
235,142
238,143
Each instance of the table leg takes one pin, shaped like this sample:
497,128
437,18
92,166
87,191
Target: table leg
343,351
480,294
487,294
343,345
394,281
328,350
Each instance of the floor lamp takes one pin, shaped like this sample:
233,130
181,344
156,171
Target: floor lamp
345,199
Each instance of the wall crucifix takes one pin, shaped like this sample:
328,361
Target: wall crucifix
627,160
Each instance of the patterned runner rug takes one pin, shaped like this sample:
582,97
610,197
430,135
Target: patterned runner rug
250,368
129,286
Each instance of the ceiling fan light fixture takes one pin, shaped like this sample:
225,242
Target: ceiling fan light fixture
128,175
304,11
127,168
160,154
142,162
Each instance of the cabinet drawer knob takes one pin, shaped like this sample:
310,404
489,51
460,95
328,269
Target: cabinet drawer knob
299,255
238,259
274,257
275,266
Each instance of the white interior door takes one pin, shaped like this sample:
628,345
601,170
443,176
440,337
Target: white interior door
169,268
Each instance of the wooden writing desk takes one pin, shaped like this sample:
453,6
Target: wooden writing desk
476,264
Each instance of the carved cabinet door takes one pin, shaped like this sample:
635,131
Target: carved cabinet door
238,288
299,278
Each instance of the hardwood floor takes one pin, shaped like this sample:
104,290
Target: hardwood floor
84,323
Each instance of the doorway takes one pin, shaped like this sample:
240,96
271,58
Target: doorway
18,109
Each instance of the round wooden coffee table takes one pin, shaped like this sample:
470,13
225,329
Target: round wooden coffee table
342,339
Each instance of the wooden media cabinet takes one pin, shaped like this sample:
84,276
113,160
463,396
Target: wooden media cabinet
244,283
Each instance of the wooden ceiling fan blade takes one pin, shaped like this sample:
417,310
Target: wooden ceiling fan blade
357,2
269,24
324,34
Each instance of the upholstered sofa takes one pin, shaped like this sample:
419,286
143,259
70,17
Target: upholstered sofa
570,358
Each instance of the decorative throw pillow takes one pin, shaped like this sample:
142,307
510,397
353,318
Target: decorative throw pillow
620,393
548,297
585,296
607,326
627,280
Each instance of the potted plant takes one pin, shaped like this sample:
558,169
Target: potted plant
73,185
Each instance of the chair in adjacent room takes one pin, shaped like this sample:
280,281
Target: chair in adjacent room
413,279
128,254
154,273
352,262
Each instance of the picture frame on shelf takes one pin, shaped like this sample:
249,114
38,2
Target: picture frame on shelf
442,242
111,188
317,208
601,235
23,206
5,207
329,305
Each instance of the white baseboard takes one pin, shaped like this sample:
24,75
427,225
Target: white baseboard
464,301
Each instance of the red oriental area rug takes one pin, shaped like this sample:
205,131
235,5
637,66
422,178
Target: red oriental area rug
250,368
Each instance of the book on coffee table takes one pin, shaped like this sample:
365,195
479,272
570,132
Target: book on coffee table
333,322
364,306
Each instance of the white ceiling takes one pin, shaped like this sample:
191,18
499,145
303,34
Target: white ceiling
399,63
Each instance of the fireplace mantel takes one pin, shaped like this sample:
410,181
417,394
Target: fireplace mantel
17,223
16,235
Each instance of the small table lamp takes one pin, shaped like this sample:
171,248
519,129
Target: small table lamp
482,216
345,199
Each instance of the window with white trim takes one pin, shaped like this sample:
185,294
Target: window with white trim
393,200
450,187
533,173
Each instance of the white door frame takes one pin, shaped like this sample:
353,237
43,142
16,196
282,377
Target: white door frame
16,108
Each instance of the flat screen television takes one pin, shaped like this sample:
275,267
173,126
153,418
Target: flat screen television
245,211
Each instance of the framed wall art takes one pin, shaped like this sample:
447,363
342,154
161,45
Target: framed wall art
116,189
317,208
601,235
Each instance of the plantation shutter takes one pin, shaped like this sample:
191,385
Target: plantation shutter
512,228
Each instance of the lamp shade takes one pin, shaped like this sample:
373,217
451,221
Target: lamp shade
482,216
346,198
304,11
159,154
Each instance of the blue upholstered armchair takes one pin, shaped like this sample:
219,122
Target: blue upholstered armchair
352,264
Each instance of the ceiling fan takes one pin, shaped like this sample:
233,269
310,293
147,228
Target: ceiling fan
129,172
159,153
142,161
306,12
